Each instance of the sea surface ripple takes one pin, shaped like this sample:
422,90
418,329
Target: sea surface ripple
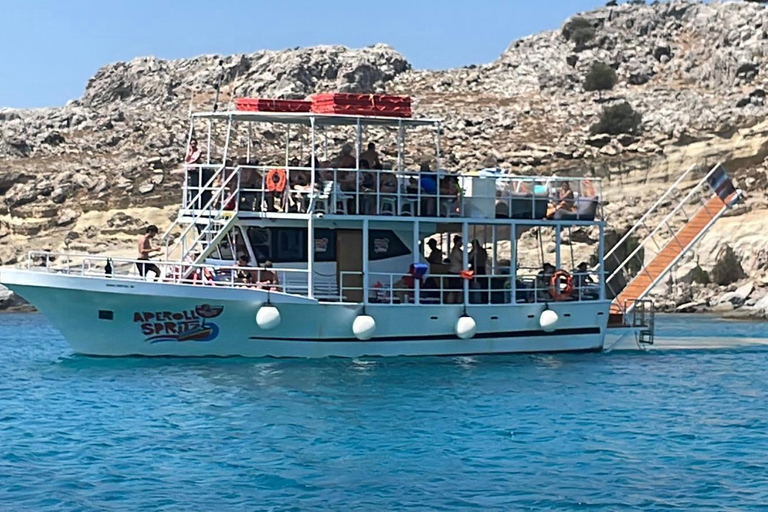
682,428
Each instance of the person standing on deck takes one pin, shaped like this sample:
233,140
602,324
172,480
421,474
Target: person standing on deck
371,156
455,266
146,250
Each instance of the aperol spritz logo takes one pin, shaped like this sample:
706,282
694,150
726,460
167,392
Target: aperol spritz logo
188,325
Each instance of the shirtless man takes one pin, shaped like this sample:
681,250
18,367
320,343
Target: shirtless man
146,250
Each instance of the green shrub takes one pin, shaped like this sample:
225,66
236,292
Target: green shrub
618,119
699,275
581,25
601,77
727,269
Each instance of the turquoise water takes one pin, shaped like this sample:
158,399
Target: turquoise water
620,431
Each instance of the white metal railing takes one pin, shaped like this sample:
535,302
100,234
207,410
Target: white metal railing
213,215
171,272
404,193
651,211
392,288
389,288
664,223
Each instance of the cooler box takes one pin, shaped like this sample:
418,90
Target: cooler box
479,196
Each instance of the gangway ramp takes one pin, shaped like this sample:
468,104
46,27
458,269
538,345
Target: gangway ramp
665,243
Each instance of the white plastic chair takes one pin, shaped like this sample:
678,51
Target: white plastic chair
322,198
340,199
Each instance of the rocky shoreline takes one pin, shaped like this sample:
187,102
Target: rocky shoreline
87,176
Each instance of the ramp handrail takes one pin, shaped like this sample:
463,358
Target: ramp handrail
664,222
649,212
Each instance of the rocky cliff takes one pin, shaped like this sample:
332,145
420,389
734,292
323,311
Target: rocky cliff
88,175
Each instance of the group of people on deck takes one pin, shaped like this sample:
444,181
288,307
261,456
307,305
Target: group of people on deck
285,190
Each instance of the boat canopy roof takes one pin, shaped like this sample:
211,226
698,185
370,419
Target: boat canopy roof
305,118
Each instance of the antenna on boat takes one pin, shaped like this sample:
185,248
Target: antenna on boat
218,85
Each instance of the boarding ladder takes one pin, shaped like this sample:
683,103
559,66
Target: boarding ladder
208,226
664,243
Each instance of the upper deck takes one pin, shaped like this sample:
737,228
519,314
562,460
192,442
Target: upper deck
308,180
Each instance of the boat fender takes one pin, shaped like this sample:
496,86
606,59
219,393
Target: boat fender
268,317
364,327
466,327
548,320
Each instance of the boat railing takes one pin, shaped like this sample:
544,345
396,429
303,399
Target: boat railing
528,287
336,191
171,272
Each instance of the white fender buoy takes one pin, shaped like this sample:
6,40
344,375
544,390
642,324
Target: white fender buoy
364,327
548,320
466,327
268,317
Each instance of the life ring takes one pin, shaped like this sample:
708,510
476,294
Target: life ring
276,180
561,285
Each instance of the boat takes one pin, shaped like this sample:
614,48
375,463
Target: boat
347,239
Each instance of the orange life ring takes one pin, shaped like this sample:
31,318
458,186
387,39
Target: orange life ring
556,291
276,180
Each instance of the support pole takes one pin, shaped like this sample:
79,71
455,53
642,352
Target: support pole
465,261
557,247
209,149
358,137
311,226
313,164
416,259
513,262
601,263
366,284
249,147
400,145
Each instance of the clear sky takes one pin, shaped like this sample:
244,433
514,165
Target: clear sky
50,48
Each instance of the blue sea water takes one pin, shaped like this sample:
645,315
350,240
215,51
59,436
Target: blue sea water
677,428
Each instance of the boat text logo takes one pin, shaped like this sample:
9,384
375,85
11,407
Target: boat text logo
187,325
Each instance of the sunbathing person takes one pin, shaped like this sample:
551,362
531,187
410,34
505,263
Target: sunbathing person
565,201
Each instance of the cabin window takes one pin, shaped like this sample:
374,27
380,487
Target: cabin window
325,245
385,244
289,245
260,243
225,250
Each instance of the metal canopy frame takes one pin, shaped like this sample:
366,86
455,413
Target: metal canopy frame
305,118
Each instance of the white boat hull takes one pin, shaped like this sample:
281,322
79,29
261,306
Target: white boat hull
109,317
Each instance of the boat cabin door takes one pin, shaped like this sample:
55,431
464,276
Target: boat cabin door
349,258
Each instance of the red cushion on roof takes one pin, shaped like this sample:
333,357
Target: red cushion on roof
271,105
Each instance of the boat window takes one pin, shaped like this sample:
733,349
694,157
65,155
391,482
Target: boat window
260,243
325,245
385,244
225,250
289,245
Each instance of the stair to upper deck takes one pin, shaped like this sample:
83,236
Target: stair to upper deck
666,244
209,225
